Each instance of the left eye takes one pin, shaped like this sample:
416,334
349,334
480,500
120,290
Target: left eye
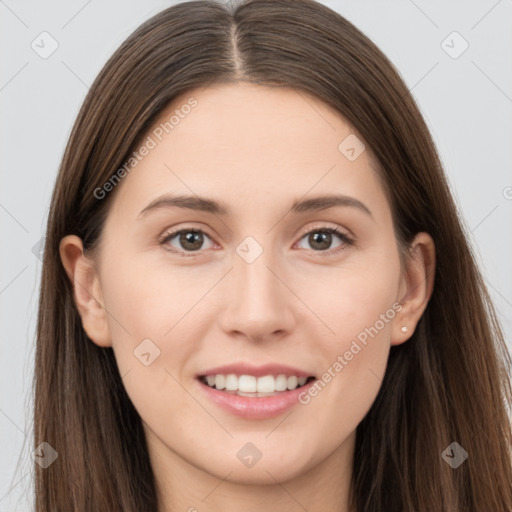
192,240
323,237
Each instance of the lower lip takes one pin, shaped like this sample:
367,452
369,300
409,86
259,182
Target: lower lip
254,408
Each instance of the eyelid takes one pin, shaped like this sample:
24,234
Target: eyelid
326,226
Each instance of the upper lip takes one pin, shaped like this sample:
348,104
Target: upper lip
257,371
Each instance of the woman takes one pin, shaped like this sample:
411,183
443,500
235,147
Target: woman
197,349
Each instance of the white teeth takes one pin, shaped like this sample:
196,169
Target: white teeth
281,383
220,381
266,384
292,382
249,385
231,382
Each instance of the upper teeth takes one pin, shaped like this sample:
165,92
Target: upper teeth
250,383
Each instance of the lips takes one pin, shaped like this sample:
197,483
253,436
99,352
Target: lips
254,392
257,371
255,407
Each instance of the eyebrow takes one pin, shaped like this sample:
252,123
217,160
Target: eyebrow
208,205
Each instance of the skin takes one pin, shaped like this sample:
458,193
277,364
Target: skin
257,149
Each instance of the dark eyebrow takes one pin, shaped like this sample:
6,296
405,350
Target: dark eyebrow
218,208
328,201
202,204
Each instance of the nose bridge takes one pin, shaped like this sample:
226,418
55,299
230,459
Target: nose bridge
255,285
258,303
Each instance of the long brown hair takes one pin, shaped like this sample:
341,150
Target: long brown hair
448,383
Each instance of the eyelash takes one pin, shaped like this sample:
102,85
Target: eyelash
347,241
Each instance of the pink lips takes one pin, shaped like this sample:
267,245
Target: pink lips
257,371
253,408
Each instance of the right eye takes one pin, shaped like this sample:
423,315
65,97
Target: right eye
190,239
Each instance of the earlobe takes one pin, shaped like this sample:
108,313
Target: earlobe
416,287
86,290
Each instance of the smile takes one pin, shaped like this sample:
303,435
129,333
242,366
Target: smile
252,386
254,405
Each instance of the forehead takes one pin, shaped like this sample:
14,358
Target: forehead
251,144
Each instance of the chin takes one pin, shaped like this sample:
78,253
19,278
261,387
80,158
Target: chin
263,473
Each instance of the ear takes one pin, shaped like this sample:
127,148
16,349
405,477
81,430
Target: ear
416,286
86,290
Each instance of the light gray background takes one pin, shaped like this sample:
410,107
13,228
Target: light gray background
466,101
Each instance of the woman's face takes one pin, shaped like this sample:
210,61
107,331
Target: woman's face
257,283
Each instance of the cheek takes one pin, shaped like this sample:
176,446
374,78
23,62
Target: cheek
357,296
148,298
353,364
149,320
358,304
149,310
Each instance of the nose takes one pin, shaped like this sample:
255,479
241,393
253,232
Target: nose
258,302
